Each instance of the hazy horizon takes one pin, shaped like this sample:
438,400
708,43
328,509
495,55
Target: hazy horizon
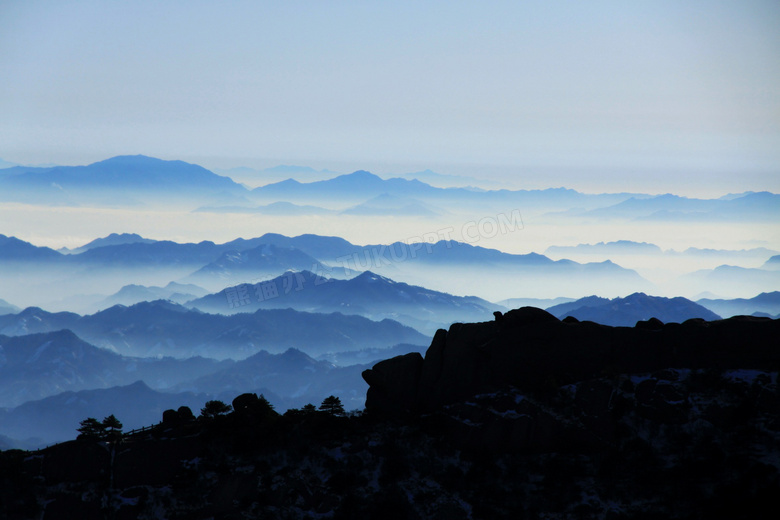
677,97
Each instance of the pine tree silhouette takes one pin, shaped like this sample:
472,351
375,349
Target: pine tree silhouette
332,405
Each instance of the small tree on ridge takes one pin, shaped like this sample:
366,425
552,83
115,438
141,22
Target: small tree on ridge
332,405
215,408
112,428
91,429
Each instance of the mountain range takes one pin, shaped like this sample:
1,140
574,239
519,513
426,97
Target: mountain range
262,261
393,206
8,308
140,180
772,263
130,250
367,294
122,180
145,262
255,177
40,365
214,266
447,263
629,247
161,328
50,381
56,418
359,185
132,294
732,280
282,208
765,304
114,239
14,250
626,312
362,185
290,379
750,206
619,247
437,264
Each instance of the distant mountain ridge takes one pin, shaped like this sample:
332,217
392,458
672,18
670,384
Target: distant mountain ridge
367,294
357,184
262,176
114,239
562,309
629,247
163,328
772,263
137,180
505,275
320,247
263,260
620,247
444,180
132,294
393,205
636,307
293,377
732,280
119,180
541,303
125,171
51,381
765,303
6,164
280,208
56,418
8,308
132,249
13,249
432,264
361,185
39,365
750,206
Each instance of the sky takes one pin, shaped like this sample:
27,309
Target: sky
680,96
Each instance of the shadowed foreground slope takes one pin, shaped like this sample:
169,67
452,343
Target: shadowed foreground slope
519,418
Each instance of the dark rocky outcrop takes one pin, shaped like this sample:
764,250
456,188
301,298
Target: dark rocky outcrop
393,383
532,350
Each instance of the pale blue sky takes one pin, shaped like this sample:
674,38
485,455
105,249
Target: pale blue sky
557,93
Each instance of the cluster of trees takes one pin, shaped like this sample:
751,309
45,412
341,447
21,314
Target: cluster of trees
252,404
331,405
245,405
109,429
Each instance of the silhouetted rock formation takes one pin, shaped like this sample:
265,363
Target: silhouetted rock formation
532,350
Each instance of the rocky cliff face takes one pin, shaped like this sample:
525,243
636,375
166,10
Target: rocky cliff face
533,351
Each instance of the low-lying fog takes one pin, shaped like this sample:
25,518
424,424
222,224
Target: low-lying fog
73,226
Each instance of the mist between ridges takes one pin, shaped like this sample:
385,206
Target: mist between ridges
375,256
